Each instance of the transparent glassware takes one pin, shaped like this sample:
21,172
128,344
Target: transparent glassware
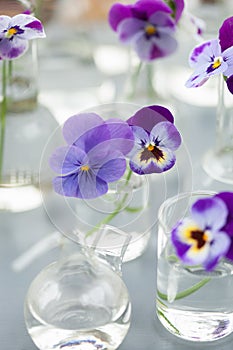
192,303
218,161
81,301
125,206
28,125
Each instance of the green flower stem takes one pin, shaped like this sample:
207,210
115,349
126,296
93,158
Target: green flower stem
114,213
186,292
3,115
167,320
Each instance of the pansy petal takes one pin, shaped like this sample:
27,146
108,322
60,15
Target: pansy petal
91,186
197,256
167,135
122,137
67,185
78,124
202,54
162,19
11,49
66,160
219,247
4,23
225,34
100,135
196,80
163,45
178,237
141,136
228,58
148,117
31,26
118,13
210,213
179,8
112,170
145,162
143,47
147,7
230,84
128,28
227,198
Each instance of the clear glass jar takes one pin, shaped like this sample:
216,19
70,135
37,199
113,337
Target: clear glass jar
192,303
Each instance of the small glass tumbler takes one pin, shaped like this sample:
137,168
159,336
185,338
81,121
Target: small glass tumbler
192,303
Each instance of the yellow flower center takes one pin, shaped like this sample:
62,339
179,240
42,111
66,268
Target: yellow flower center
11,32
150,29
85,168
151,148
217,62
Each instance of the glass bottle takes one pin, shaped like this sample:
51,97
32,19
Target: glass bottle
28,126
81,301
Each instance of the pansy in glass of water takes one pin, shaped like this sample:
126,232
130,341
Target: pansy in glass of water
213,57
99,152
15,33
206,236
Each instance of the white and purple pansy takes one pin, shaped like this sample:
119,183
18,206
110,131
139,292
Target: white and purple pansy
206,236
15,33
213,57
148,25
94,155
156,139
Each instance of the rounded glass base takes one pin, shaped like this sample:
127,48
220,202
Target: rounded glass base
219,165
195,325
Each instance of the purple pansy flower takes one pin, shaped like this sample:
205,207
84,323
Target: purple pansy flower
227,198
213,57
201,239
94,156
147,25
156,139
15,33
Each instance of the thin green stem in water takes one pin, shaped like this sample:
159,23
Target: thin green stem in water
187,291
111,216
3,115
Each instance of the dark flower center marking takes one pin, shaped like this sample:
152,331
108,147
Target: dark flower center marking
216,64
152,152
11,32
150,30
200,237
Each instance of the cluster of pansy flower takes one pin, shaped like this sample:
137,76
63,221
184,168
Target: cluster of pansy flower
148,25
206,236
213,57
98,151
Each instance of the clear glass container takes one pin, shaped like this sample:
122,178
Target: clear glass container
192,303
28,125
81,301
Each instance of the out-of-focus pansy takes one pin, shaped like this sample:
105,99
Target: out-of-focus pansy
15,33
148,25
94,156
213,57
206,236
156,139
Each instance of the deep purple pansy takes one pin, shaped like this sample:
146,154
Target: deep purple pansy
156,139
15,33
147,25
213,57
201,239
94,155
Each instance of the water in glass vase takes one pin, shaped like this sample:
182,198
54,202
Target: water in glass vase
192,303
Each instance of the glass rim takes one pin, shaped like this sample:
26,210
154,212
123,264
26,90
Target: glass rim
175,199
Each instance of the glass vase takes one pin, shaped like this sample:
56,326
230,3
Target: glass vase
192,303
218,161
81,301
25,128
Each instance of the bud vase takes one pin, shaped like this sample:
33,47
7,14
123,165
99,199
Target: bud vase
80,301
218,161
25,128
